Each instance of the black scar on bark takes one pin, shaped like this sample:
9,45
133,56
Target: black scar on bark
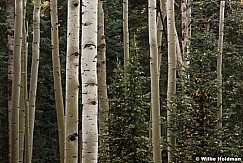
72,137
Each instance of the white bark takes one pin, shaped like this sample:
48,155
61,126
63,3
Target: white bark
171,89
155,105
219,61
10,20
89,81
101,73
16,80
34,69
57,79
72,81
186,31
125,32
160,30
23,90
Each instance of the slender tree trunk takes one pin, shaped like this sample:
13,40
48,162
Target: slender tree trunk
125,32
155,105
219,61
72,81
25,94
101,74
160,29
10,20
23,87
89,81
171,89
57,79
186,33
34,69
16,80
185,7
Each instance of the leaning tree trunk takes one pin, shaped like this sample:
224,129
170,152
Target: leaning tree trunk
25,93
171,88
89,81
125,32
57,79
34,69
155,105
16,80
72,82
101,75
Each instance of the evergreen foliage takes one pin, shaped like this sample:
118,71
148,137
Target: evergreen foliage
128,117
195,104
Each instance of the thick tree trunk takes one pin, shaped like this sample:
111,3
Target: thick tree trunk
89,81
16,80
34,69
57,79
101,74
171,89
72,81
155,105
125,32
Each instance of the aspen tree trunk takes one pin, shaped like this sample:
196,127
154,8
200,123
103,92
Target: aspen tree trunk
34,69
159,37
101,73
125,32
219,61
160,30
10,20
171,89
185,7
89,81
186,32
57,79
16,80
72,81
23,87
25,94
155,105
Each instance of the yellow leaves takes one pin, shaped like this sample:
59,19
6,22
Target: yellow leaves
44,4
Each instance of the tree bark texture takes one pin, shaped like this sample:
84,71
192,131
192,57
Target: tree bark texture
219,62
23,90
72,81
57,79
10,20
101,73
125,32
171,88
89,81
16,80
34,69
155,105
